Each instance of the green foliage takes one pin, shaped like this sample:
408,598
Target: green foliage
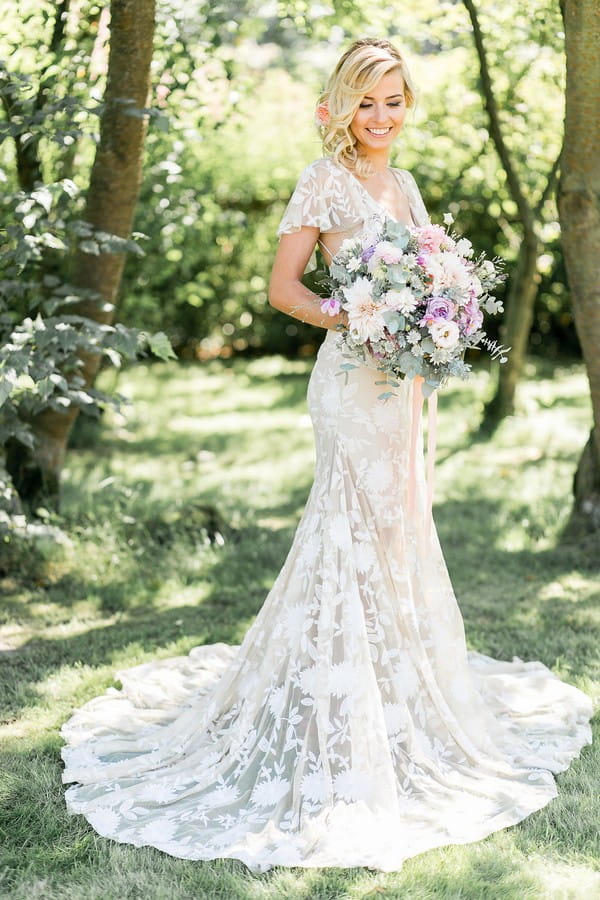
232,128
218,179
41,341
43,332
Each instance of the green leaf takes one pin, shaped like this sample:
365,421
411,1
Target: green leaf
397,274
5,390
90,247
428,387
160,345
114,357
51,240
25,382
399,233
392,320
318,281
43,197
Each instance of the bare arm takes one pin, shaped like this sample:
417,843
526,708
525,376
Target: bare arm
286,291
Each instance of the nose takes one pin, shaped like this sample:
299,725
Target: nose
380,112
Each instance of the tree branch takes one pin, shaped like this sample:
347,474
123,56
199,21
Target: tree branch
550,185
514,182
58,36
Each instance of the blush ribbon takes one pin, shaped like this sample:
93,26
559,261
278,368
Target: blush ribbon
417,408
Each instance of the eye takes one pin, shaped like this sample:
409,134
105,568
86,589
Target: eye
365,105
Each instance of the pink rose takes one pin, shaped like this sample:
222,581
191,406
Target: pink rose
322,116
432,238
388,253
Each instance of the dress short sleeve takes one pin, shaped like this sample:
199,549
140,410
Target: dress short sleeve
319,200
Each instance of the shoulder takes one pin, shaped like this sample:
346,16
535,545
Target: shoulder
323,197
405,175
323,177
322,168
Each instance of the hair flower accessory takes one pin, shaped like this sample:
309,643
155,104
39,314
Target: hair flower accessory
322,116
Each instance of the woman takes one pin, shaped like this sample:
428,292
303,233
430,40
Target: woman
352,727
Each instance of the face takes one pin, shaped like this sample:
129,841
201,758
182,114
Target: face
380,116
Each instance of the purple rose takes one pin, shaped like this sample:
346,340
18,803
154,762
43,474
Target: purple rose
367,253
439,308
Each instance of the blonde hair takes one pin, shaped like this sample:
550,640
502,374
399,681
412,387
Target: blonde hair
358,71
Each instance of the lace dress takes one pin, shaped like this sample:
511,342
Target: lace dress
352,727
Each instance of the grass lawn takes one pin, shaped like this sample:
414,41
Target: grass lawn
140,579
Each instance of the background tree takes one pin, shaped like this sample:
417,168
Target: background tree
238,91
216,183
525,278
35,466
579,206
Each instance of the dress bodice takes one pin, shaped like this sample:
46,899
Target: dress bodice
328,196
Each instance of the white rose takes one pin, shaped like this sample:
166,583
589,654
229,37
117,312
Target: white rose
444,334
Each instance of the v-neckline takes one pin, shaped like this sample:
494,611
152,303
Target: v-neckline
379,205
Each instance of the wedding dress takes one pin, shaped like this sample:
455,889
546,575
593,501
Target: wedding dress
352,727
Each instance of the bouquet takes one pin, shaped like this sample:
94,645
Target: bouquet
414,297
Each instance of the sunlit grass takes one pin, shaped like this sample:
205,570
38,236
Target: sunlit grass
141,580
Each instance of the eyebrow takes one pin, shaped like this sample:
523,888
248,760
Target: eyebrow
391,97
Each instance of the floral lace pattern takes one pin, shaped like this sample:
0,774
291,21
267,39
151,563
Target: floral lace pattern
329,197
352,726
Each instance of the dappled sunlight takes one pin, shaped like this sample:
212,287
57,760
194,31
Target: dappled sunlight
178,509
561,879
190,443
142,582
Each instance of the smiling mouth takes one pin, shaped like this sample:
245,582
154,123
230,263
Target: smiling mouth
379,132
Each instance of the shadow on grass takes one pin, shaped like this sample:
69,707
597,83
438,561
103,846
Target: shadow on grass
499,591
233,590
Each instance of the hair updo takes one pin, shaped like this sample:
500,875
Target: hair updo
360,68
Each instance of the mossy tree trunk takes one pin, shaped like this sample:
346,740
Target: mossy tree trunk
579,209
110,205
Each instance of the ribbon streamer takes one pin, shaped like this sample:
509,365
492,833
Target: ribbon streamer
416,412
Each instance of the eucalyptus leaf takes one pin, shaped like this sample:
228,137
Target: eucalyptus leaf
428,387
392,321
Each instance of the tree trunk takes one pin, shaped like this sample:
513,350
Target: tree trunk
514,333
112,195
579,209
521,299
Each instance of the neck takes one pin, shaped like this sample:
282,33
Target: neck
379,160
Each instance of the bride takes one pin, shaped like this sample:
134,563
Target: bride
352,727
